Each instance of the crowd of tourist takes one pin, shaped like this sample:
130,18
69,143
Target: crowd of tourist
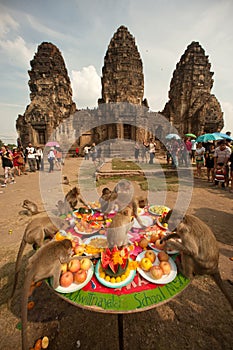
19,161
215,156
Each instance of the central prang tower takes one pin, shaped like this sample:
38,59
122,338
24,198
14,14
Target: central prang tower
122,73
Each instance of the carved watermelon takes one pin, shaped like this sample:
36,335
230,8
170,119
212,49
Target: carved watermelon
105,260
115,270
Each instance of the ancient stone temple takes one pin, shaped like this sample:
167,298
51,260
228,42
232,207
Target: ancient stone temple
122,73
122,112
121,107
191,107
51,96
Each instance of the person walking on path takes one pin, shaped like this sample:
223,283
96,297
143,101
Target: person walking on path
199,158
152,146
7,164
86,152
51,159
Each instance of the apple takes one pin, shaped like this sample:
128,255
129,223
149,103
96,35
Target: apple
150,255
64,267
163,256
80,276
159,245
143,243
74,265
79,250
166,267
154,237
145,264
156,272
85,264
66,279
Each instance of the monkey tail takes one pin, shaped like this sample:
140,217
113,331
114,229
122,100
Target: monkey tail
17,265
24,302
218,280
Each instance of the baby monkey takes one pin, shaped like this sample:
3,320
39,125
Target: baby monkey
198,247
45,263
70,201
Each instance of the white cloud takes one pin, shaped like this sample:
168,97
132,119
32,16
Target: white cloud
17,51
227,108
7,23
86,86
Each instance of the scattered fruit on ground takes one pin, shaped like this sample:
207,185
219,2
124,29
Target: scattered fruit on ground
30,305
45,342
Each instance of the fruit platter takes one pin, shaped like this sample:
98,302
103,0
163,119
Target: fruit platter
146,220
75,275
115,269
158,209
154,234
155,267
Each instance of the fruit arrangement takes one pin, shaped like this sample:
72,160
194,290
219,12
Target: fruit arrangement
84,226
74,272
132,265
158,209
155,270
94,205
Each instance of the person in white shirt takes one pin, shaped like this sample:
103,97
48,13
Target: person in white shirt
31,157
199,157
51,159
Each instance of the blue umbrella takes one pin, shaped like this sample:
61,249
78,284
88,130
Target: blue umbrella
223,136
171,136
208,137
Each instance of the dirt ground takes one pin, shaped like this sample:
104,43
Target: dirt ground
199,318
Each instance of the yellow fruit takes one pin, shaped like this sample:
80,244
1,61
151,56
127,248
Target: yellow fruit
102,274
113,280
118,279
127,272
123,277
107,278
45,342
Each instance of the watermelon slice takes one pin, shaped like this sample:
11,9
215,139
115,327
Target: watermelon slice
105,260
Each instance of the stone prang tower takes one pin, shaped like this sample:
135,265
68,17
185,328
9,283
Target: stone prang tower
122,73
191,106
51,96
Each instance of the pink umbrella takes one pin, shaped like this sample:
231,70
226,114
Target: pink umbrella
52,144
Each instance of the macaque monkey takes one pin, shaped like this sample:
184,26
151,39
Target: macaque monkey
107,200
31,208
71,200
45,263
119,227
121,197
35,233
198,247
66,181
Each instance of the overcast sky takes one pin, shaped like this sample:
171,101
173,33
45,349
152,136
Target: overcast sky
82,30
